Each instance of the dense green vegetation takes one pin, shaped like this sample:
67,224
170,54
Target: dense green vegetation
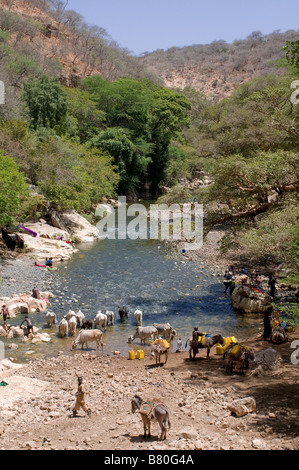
116,131
248,144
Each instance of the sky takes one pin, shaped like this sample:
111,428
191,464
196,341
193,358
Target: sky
144,26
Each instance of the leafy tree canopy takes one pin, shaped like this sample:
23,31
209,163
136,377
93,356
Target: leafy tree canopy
13,188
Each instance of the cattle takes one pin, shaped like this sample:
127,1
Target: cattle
100,321
151,410
88,336
138,317
51,319
69,315
123,313
80,318
144,332
166,330
110,317
72,325
63,328
86,325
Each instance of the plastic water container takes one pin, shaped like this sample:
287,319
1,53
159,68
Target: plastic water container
219,349
140,354
131,355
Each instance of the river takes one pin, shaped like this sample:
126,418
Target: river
144,274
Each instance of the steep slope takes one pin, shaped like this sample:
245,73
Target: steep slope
63,44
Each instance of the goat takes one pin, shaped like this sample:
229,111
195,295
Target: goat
151,410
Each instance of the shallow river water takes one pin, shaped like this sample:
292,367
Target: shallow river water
142,274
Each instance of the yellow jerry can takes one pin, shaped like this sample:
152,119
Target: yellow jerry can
140,354
219,349
131,355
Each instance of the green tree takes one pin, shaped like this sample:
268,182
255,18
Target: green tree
292,52
88,118
46,102
149,116
13,188
130,157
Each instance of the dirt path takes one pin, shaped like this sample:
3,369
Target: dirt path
36,405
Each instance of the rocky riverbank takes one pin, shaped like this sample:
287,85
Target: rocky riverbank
36,405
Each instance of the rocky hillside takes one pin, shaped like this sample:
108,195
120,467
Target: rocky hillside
66,47
218,68
62,44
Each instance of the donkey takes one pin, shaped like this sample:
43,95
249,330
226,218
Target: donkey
240,358
208,343
278,335
151,410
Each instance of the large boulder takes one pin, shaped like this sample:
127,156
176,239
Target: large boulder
250,300
44,248
25,303
76,225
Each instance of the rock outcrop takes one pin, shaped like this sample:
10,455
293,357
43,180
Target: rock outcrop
76,225
25,303
44,248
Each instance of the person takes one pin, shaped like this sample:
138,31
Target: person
80,398
4,312
228,275
179,345
196,334
49,263
244,271
29,325
271,284
35,293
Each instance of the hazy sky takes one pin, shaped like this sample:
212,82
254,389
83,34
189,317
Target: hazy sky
147,25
